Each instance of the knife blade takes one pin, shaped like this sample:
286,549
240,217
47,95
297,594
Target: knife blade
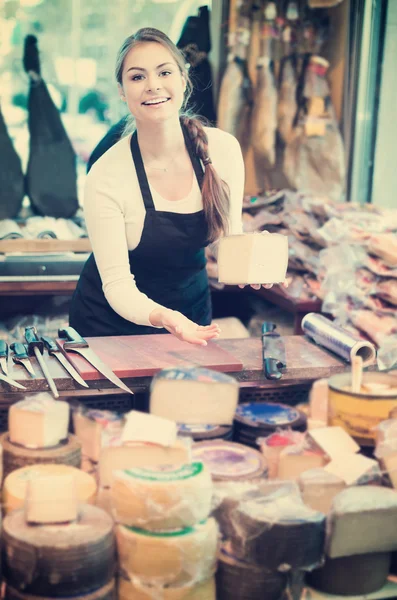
3,356
273,352
53,350
36,348
11,382
21,356
75,343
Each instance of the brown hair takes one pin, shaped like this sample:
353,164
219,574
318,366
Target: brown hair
215,191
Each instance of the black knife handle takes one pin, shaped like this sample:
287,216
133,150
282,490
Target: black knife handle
50,344
72,338
33,340
3,349
271,368
19,350
268,327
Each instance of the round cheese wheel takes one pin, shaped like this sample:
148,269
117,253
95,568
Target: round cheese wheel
59,560
15,485
228,461
15,456
129,590
161,498
169,557
107,592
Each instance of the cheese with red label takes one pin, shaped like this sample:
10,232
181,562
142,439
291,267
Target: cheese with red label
163,497
38,422
252,258
194,396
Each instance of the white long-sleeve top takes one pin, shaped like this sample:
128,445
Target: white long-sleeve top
115,213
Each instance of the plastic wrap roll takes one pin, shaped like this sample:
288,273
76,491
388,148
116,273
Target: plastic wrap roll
334,338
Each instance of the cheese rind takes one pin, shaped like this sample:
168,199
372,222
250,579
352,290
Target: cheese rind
363,519
169,557
51,499
161,498
141,455
194,396
253,258
15,484
38,422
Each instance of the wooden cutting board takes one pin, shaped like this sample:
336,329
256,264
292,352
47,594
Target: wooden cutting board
145,355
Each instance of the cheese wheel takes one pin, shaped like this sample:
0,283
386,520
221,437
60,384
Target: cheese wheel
107,592
228,461
135,590
39,421
194,396
164,497
15,485
51,499
252,258
59,560
15,457
169,557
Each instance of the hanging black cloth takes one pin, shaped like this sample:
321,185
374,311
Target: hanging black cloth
168,264
12,185
51,178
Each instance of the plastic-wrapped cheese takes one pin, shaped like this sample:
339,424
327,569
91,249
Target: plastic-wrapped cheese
96,429
294,460
169,557
15,484
319,488
141,455
363,519
138,590
194,396
253,258
276,531
38,422
163,497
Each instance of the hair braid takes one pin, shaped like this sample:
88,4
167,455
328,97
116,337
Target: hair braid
215,191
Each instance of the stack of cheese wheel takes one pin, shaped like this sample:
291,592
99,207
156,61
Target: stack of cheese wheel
167,545
38,434
228,461
57,547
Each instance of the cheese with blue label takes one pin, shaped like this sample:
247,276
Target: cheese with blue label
193,395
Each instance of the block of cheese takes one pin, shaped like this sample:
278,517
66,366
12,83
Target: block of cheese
97,429
294,460
278,532
194,396
253,258
334,441
363,519
134,589
141,455
319,400
169,557
319,488
38,422
163,497
51,499
142,427
273,445
15,484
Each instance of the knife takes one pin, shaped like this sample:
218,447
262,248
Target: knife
11,382
3,356
21,356
273,352
75,343
53,350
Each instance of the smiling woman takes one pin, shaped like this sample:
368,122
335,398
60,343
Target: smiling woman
153,202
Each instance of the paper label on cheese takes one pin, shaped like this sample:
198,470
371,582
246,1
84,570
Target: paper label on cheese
350,468
227,461
164,473
163,534
194,374
334,441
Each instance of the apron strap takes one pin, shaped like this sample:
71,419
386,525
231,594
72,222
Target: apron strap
140,168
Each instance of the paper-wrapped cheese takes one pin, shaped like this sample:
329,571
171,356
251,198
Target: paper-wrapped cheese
253,258
363,519
194,396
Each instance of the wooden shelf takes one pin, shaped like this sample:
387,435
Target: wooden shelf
43,246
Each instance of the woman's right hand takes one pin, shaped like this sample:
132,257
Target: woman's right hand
182,327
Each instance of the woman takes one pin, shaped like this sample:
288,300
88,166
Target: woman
153,202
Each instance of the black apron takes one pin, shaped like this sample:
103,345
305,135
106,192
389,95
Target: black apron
168,264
